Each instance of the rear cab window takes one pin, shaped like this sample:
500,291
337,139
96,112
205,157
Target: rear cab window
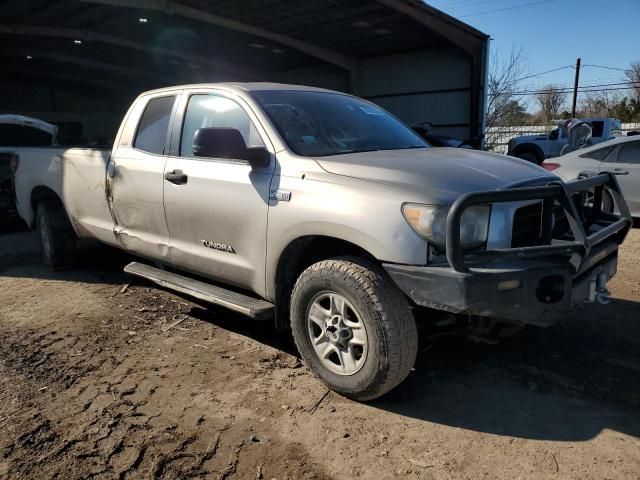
151,134
597,128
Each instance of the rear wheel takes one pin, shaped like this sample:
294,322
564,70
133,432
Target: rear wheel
353,327
57,237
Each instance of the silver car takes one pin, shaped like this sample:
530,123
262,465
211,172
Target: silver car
620,156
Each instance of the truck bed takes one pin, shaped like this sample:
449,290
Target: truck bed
76,175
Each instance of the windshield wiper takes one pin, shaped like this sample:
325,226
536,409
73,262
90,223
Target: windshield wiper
358,150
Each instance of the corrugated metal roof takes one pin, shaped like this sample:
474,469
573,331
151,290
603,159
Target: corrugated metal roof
142,51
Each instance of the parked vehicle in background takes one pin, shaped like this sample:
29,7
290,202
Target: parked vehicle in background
19,131
324,212
537,148
620,156
425,129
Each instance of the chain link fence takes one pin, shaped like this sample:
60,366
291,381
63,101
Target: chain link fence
497,138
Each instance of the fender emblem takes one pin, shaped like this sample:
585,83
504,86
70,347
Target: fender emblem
218,246
280,195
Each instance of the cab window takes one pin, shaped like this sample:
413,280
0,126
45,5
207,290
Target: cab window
597,128
210,110
152,130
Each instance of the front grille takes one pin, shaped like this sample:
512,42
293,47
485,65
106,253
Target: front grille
527,226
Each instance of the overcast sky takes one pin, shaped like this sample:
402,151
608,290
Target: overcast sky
553,33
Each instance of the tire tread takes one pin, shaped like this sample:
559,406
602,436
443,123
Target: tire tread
389,303
61,234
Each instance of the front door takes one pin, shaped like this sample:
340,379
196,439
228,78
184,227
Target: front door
626,164
135,179
217,208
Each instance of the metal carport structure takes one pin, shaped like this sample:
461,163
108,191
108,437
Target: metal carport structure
67,59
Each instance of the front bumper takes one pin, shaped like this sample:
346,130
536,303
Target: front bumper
534,285
536,293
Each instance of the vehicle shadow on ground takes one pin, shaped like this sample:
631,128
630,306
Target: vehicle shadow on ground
20,257
565,383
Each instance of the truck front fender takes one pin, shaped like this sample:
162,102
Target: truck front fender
363,214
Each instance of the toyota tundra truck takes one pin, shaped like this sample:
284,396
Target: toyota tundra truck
326,214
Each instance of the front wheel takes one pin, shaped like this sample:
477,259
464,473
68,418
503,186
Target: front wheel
353,327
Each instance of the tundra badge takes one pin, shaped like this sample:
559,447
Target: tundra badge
218,246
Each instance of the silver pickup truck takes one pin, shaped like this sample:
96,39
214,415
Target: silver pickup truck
537,148
325,213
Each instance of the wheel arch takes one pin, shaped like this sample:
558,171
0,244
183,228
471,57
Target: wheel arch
529,148
39,194
301,253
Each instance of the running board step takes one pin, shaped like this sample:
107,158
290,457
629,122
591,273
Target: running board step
249,306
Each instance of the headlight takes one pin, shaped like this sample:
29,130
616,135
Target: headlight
430,222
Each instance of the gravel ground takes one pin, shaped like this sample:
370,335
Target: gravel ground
94,384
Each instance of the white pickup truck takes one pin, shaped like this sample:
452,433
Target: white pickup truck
19,130
537,148
324,212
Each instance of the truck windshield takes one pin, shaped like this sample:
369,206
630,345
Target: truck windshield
315,124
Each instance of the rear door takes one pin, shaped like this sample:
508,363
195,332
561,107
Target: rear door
555,142
626,162
217,212
135,192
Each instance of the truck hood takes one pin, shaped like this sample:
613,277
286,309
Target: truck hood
442,174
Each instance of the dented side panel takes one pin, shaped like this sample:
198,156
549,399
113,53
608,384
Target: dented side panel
77,177
135,196
83,177
135,192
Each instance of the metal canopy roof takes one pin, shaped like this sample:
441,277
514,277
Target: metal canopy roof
107,44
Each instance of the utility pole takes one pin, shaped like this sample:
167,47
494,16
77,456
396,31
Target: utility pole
575,89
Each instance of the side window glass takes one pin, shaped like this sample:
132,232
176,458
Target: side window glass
599,154
630,153
597,128
152,130
204,110
553,135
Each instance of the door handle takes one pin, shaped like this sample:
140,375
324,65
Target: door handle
620,171
177,177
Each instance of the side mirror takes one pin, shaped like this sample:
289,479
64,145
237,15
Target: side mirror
228,143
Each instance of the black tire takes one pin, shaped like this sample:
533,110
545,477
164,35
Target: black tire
57,237
608,204
392,336
530,157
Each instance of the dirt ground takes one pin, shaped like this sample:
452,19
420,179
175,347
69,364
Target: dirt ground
91,386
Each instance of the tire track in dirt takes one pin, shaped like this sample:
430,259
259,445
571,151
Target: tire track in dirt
98,402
